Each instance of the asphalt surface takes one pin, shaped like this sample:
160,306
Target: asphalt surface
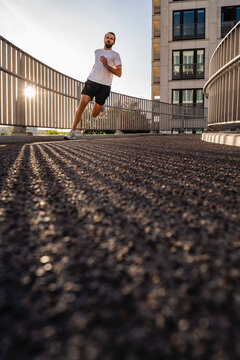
120,249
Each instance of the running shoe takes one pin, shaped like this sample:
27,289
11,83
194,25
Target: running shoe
70,136
103,110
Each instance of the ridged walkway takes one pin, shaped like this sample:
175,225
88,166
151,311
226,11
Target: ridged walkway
120,249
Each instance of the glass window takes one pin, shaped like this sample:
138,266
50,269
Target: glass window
188,23
200,56
200,64
187,97
176,97
193,97
230,16
238,14
176,64
200,16
228,13
188,63
199,96
200,22
176,22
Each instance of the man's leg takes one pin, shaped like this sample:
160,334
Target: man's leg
100,99
81,107
96,110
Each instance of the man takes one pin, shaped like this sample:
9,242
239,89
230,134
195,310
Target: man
98,85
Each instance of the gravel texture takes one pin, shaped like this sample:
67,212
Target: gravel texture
120,249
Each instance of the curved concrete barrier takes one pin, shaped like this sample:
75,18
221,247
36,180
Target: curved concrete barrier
222,138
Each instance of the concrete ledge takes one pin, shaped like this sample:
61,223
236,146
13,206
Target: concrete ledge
16,139
222,138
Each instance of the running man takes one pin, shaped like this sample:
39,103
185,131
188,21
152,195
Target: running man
98,85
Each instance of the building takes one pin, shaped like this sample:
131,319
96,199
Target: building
184,35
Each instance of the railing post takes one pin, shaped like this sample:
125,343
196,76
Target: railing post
20,128
183,121
119,117
152,119
152,124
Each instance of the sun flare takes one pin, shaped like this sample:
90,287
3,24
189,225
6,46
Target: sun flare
30,92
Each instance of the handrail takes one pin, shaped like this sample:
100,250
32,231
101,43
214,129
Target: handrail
219,72
223,87
78,98
34,83
57,95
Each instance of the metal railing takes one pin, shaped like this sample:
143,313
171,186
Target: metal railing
223,85
226,26
188,31
33,94
188,71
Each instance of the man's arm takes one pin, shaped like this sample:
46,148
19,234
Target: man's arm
117,71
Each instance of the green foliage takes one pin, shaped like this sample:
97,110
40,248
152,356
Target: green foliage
98,132
8,132
135,131
131,116
52,132
55,132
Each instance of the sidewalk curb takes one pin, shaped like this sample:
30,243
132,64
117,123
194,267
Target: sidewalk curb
222,138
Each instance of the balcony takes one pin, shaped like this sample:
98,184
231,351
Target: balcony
156,79
156,57
227,26
189,31
157,10
157,33
188,71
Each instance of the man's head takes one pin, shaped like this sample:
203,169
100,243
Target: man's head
109,40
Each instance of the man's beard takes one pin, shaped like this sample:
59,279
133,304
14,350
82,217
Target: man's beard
108,46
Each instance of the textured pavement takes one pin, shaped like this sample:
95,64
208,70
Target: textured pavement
120,249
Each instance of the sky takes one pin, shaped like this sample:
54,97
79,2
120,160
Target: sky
64,34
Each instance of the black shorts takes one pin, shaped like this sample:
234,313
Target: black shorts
99,91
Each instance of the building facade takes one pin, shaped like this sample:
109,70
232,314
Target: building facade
184,35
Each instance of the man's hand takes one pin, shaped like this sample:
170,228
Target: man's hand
104,61
117,71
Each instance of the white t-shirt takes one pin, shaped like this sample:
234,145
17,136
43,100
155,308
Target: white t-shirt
99,73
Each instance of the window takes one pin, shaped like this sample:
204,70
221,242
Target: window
199,97
188,64
176,68
189,24
176,24
157,10
230,16
188,97
176,97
